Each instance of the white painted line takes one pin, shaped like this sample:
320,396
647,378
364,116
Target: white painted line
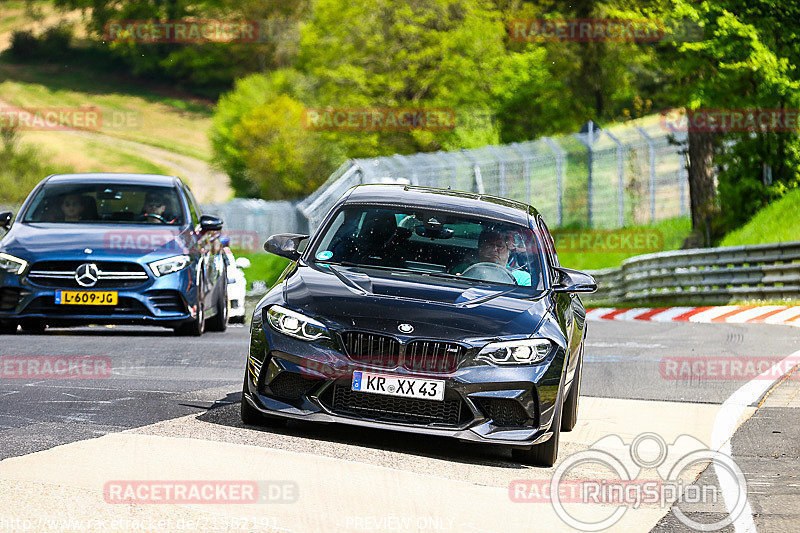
783,316
709,314
669,314
595,314
632,313
725,425
744,316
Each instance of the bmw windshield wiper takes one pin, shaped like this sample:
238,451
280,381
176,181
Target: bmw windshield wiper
347,281
484,299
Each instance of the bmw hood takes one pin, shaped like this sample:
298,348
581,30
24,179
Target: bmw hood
442,308
35,240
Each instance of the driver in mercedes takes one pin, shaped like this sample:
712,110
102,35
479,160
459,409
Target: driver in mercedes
155,208
495,246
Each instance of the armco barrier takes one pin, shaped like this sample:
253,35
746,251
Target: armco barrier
704,276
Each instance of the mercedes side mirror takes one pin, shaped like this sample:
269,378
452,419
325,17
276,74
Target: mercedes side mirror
5,219
210,223
285,245
574,281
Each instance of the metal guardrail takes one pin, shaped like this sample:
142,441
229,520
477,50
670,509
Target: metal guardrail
708,275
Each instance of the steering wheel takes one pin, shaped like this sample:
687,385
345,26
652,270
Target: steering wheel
488,271
145,216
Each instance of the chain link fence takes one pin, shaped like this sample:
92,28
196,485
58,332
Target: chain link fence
596,179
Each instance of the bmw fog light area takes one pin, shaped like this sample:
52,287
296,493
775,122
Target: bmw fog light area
11,264
518,352
169,265
296,325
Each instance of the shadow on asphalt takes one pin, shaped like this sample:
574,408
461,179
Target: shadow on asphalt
378,439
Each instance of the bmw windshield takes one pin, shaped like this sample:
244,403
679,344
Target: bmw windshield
435,243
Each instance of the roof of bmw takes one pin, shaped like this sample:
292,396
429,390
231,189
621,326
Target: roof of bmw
481,205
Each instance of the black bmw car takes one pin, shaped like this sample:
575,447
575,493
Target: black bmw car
112,249
423,310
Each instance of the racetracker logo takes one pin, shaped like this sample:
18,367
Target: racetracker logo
200,492
55,367
745,120
242,240
618,483
50,118
141,241
637,241
378,119
725,368
586,30
182,31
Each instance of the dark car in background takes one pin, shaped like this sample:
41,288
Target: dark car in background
423,310
112,249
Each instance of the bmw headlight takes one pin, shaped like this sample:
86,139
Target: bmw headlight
519,352
296,325
12,264
162,267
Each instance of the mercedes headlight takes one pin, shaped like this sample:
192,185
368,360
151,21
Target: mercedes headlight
162,267
519,352
11,264
296,325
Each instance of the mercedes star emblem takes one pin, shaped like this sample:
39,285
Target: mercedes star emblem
405,328
87,274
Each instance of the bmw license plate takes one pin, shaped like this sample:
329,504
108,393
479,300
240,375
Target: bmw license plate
86,297
424,389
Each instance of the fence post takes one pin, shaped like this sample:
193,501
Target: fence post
590,165
476,169
652,149
526,171
559,153
621,180
502,163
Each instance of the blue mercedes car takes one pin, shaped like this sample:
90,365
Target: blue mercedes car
112,249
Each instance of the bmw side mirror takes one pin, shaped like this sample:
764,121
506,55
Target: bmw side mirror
285,245
574,281
210,223
5,219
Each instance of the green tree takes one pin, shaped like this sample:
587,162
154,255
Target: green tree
735,66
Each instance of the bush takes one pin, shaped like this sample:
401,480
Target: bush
22,168
24,45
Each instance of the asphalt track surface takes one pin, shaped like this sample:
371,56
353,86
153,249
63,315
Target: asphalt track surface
168,411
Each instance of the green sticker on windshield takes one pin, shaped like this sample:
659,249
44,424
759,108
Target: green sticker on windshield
324,256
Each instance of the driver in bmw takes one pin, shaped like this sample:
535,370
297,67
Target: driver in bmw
495,246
